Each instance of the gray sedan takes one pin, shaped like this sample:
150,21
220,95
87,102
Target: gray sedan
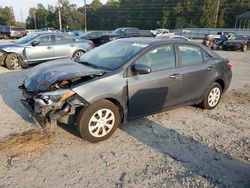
123,80
40,47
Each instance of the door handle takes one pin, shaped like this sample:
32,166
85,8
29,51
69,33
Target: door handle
49,47
175,76
211,68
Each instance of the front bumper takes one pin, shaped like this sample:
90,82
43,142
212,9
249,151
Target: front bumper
47,113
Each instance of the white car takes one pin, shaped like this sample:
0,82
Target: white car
174,37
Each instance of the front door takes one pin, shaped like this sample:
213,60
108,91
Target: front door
153,92
43,51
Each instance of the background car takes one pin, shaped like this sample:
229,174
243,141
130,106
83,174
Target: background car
125,32
77,33
238,43
8,32
40,47
123,80
159,31
98,37
174,37
47,29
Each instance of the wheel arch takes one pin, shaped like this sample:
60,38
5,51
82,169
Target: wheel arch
221,82
76,50
119,105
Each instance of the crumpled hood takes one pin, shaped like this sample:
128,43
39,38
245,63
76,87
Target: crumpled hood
42,76
8,44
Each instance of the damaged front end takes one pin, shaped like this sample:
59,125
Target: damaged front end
50,107
3,55
47,89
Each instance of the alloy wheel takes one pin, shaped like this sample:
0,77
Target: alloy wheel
101,123
214,97
78,54
14,63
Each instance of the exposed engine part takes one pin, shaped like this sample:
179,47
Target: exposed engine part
64,84
55,115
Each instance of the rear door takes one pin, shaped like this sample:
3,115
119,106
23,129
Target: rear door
153,92
63,45
196,70
41,52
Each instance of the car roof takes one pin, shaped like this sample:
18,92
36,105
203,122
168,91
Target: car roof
50,33
154,40
128,28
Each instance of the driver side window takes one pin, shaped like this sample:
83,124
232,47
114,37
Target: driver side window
44,40
160,58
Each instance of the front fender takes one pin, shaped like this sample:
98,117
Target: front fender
3,55
17,50
108,87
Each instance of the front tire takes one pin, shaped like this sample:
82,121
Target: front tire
12,61
244,48
98,121
212,96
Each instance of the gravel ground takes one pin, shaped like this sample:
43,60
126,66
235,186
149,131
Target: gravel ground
186,147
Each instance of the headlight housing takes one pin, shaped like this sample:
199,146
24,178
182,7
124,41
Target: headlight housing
55,96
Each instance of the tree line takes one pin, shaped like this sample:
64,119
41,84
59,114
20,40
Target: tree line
144,14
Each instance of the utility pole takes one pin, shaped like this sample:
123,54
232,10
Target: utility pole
21,15
59,14
35,17
217,13
85,16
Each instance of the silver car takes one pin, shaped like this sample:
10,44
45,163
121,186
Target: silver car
41,47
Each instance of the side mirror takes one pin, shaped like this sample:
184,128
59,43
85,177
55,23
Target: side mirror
35,43
141,69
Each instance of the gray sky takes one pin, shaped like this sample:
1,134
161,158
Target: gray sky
24,5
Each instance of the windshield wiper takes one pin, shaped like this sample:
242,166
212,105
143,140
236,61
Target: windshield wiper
93,66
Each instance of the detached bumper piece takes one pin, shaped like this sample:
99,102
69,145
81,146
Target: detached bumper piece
38,118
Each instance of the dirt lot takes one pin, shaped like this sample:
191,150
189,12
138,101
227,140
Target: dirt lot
186,147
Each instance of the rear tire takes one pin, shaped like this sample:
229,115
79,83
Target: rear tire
98,121
244,48
78,54
212,96
6,36
12,61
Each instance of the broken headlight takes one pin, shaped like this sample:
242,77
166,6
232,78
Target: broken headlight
56,96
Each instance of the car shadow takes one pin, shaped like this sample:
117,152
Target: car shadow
216,167
11,95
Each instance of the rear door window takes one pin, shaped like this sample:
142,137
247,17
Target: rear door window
206,56
64,39
190,55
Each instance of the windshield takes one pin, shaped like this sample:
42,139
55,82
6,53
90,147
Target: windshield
112,55
119,31
26,39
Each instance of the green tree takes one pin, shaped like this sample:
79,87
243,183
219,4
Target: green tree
7,16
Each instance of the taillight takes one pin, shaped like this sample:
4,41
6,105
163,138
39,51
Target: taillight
229,65
91,44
